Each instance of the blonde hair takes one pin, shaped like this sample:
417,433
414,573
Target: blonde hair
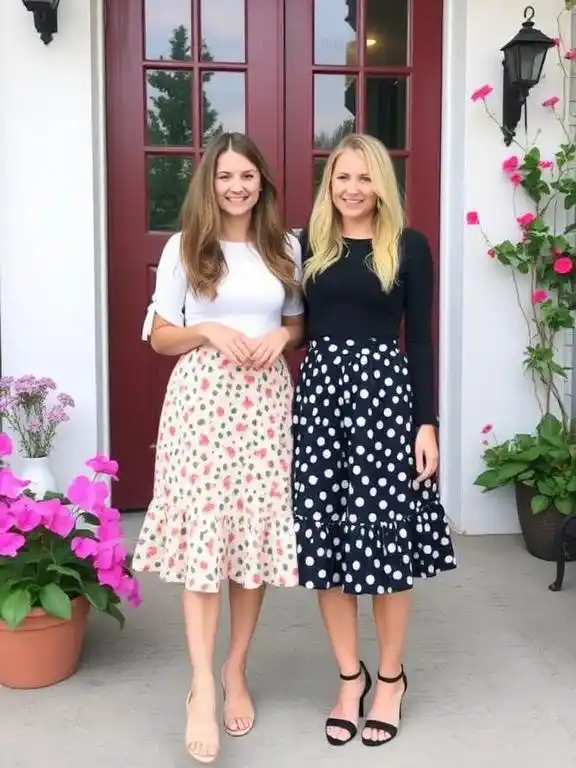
325,232
201,222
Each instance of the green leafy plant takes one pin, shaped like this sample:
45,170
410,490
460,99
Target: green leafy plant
542,260
58,548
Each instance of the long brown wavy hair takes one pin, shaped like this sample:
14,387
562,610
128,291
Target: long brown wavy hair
201,222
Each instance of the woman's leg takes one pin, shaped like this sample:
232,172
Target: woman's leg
340,615
391,613
201,619
245,607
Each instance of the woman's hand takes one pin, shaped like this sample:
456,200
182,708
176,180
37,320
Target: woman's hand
234,345
426,451
268,348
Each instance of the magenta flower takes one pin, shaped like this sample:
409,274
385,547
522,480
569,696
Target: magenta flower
480,94
486,429
551,102
570,54
109,529
56,517
563,265
130,589
516,179
539,296
87,494
110,554
102,465
111,577
511,164
526,219
472,218
83,547
6,518
10,485
5,445
11,543
545,164
26,514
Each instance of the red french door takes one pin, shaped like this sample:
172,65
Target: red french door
295,75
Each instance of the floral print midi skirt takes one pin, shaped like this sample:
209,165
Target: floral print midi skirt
222,505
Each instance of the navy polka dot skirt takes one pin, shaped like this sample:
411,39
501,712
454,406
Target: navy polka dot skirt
362,522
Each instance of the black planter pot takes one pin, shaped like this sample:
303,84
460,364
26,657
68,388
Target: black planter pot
540,531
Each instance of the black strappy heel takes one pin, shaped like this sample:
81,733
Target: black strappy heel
380,725
347,725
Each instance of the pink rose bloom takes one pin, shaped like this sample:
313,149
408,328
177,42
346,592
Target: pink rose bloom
511,164
526,219
539,296
482,93
472,218
563,265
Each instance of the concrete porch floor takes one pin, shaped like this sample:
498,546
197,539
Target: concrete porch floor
491,660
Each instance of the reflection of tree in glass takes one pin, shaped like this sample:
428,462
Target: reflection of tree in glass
324,140
169,123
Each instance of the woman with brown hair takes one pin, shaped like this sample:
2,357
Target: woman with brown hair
227,303
368,517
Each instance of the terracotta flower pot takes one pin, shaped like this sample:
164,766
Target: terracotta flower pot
43,650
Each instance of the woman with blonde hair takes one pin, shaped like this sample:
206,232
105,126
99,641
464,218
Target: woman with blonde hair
367,513
227,304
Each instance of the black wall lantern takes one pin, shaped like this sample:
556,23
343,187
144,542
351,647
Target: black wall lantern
524,58
45,17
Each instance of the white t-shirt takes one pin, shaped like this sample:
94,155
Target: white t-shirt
250,298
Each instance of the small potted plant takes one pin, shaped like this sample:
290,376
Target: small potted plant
541,261
59,557
33,410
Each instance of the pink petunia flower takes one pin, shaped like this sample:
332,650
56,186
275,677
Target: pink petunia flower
6,518
56,517
26,514
87,494
111,577
102,465
539,296
472,218
551,102
563,265
5,445
11,543
10,485
83,547
482,93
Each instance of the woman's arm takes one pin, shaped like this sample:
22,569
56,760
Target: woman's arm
418,317
168,339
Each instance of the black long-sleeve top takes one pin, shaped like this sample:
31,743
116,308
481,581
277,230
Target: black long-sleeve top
347,302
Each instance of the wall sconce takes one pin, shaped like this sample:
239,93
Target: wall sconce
524,58
45,17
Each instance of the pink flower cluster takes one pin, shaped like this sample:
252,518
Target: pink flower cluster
21,515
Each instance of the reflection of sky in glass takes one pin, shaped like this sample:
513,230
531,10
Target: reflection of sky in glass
224,22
